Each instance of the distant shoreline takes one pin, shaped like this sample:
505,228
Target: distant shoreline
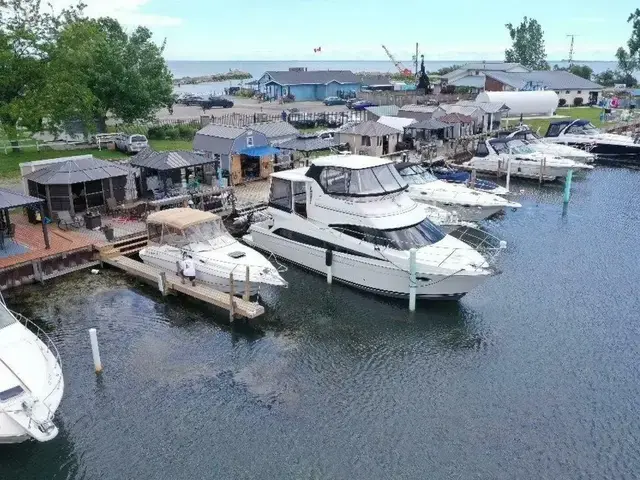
216,77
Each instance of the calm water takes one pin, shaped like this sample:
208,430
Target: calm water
532,376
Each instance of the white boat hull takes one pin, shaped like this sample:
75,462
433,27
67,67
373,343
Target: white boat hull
471,214
373,275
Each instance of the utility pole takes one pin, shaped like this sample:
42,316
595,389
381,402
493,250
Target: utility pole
571,49
417,60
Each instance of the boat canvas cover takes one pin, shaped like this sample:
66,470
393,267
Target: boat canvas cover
181,218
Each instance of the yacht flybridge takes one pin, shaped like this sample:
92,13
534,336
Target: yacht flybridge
542,145
31,382
492,155
349,216
201,235
582,134
471,205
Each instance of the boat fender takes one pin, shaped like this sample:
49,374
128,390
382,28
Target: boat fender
328,257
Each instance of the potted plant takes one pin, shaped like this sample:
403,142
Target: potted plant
108,232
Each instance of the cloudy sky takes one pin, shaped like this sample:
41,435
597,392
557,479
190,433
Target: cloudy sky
354,29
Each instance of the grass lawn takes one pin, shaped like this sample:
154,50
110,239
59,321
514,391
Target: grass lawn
586,113
9,162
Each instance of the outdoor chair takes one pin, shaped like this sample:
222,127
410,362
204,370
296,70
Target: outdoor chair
66,221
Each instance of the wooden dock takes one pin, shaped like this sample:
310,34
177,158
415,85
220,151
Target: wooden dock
173,284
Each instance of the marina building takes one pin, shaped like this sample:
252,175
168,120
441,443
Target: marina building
309,85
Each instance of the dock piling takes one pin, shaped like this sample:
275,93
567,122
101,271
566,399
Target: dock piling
474,175
95,351
508,183
413,286
247,286
231,299
162,283
328,262
567,186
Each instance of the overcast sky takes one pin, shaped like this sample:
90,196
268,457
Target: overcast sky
355,29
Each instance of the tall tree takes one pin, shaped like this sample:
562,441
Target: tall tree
423,78
27,36
528,45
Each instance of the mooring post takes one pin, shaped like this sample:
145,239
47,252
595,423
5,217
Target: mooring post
328,260
162,283
508,174
247,286
542,165
413,286
567,186
231,295
474,175
93,336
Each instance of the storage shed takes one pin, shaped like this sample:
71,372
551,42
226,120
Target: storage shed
370,138
537,102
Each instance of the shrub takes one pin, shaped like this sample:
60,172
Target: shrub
156,133
578,101
562,102
171,133
187,132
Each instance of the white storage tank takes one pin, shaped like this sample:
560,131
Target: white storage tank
537,102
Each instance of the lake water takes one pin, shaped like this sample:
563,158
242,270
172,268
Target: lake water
534,375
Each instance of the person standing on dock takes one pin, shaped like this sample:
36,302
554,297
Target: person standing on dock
188,269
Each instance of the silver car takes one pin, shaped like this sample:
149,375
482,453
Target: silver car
131,143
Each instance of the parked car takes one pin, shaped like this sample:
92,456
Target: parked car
362,104
216,102
351,101
334,101
131,143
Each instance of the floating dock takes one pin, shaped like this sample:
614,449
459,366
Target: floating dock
168,283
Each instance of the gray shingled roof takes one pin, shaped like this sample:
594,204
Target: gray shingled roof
463,109
275,129
308,144
9,199
169,160
455,118
482,66
320,77
371,129
221,131
487,107
430,124
420,108
77,171
551,79
384,110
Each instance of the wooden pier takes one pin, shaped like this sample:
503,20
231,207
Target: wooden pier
168,283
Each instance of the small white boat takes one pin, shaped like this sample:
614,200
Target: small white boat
540,144
31,381
350,216
494,155
216,254
468,204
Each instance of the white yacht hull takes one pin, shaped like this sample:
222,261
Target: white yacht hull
471,214
518,169
167,262
378,276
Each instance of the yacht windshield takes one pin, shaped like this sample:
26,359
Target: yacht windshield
378,180
199,237
583,129
518,146
415,236
6,318
417,175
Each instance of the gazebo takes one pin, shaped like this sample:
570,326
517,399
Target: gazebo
78,185
160,171
10,200
430,128
308,145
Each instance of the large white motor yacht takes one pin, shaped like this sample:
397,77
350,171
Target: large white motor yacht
540,144
469,204
31,382
349,217
492,155
216,254
583,134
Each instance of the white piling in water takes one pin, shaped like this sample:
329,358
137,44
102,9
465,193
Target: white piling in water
508,174
93,336
328,262
232,294
413,286
247,286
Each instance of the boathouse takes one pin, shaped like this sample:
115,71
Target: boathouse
305,85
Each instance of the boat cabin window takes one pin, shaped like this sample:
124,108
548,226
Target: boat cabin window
417,175
316,242
378,180
500,147
582,129
415,236
482,150
281,194
555,129
300,198
6,318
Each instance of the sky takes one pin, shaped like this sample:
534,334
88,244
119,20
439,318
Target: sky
355,29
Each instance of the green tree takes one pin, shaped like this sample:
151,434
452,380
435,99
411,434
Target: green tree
445,70
27,36
584,71
626,62
423,78
606,78
528,45
114,72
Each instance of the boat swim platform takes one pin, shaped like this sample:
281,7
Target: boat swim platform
169,283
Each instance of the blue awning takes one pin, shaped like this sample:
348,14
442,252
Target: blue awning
259,151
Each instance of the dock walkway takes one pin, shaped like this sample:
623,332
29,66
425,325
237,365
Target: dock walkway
174,283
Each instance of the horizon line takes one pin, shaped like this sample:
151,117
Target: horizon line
377,60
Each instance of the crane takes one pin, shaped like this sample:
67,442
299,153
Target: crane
401,68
